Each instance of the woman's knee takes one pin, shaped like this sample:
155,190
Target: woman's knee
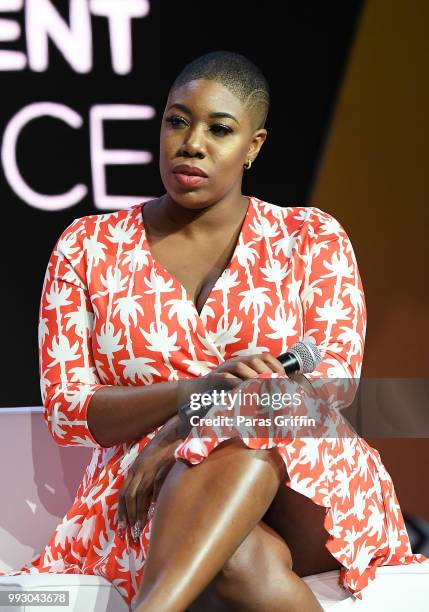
262,553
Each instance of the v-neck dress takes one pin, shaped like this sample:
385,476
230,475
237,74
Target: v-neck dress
110,314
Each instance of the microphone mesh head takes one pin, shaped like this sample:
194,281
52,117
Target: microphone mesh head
307,354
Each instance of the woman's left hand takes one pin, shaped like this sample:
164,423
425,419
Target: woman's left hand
144,481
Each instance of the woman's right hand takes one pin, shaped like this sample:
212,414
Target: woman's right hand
245,367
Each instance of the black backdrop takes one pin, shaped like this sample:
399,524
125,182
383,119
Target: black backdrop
302,48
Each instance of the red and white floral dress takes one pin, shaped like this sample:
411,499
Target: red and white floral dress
110,314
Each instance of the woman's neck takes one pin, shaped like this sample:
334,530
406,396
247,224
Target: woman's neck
169,216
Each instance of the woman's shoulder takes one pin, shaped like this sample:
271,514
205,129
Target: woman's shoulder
87,224
302,213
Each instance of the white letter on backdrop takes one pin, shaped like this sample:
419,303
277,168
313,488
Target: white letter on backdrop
42,22
10,165
11,30
120,15
101,157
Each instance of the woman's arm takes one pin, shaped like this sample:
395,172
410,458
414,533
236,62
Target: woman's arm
121,414
79,409
333,305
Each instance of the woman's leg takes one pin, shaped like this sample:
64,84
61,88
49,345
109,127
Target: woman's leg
257,578
203,514
294,519
256,562
299,521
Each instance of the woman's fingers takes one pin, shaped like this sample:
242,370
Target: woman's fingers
251,366
226,375
238,369
122,506
142,496
274,363
264,364
249,369
133,503
160,477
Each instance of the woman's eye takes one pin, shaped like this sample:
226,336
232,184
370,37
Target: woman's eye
221,129
175,120
217,129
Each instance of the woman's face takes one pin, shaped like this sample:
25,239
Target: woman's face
218,145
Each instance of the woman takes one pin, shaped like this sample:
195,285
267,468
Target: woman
198,282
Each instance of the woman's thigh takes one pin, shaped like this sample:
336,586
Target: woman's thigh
299,521
291,529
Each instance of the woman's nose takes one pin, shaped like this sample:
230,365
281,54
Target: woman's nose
193,143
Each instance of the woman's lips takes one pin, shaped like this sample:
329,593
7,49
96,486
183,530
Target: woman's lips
189,180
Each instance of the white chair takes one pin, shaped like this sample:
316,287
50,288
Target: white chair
396,588
39,479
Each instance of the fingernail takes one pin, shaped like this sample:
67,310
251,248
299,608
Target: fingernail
151,511
121,529
135,532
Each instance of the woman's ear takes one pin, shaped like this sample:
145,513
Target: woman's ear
258,139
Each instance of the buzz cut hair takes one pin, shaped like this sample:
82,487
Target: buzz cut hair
238,74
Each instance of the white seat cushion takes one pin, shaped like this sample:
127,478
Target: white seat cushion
86,593
396,588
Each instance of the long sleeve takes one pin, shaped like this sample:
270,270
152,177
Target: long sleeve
333,305
68,376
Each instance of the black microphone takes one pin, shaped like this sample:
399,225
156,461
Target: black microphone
302,358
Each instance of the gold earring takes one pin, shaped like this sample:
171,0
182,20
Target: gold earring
248,164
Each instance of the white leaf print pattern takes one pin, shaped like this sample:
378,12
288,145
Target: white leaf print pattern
61,351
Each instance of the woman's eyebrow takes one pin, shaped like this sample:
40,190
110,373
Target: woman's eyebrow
184,108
